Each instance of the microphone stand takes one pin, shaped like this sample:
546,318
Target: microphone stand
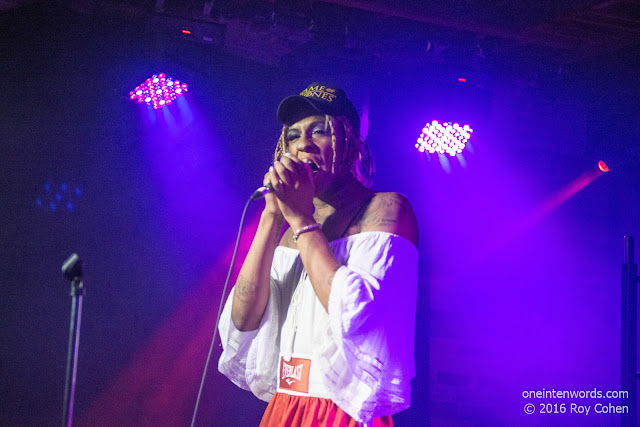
72,270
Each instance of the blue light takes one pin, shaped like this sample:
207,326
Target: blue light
58,196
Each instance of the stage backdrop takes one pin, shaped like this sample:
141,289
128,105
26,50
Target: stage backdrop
520,238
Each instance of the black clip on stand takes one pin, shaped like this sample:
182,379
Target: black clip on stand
72,271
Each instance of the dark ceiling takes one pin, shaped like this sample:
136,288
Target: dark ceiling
557,33
66,114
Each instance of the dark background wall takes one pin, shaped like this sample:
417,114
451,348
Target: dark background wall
513,296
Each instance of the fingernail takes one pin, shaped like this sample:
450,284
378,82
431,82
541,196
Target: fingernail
270,168
287,154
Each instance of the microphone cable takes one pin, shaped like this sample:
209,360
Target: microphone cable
258,194
224,292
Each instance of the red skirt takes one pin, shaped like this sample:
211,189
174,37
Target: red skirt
304,411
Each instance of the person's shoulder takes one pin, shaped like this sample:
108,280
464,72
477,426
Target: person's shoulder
393,213
390,197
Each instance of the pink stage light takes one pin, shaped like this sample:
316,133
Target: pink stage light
158,91
603,166
450,138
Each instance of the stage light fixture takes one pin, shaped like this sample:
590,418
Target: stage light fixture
58,196
158,91
449,137
603,166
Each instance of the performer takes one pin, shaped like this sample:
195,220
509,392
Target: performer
322,324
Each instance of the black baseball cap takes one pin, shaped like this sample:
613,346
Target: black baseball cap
319,98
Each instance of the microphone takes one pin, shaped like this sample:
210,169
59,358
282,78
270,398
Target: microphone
266,189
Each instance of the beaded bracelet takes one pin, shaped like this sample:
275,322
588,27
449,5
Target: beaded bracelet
304,229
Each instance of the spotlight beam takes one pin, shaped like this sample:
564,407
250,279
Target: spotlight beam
159,385
510,233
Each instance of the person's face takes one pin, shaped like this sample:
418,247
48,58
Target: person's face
310,138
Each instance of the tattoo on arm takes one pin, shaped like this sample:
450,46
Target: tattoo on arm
245,288
386,211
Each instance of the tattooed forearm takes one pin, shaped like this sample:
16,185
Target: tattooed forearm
245,288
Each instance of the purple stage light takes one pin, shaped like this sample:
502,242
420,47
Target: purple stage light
158,91
450,138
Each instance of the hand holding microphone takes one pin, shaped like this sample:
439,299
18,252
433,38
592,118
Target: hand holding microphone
294,186
268,187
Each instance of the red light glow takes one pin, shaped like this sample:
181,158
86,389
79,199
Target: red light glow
159,385
186,32
603,166
462,79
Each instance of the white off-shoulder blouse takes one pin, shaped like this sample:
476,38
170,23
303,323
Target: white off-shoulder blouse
361,351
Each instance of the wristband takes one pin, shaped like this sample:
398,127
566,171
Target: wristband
304,229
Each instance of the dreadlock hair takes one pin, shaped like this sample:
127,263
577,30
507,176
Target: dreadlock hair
356,152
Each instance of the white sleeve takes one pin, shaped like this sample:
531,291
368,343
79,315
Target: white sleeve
250,359
368,358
